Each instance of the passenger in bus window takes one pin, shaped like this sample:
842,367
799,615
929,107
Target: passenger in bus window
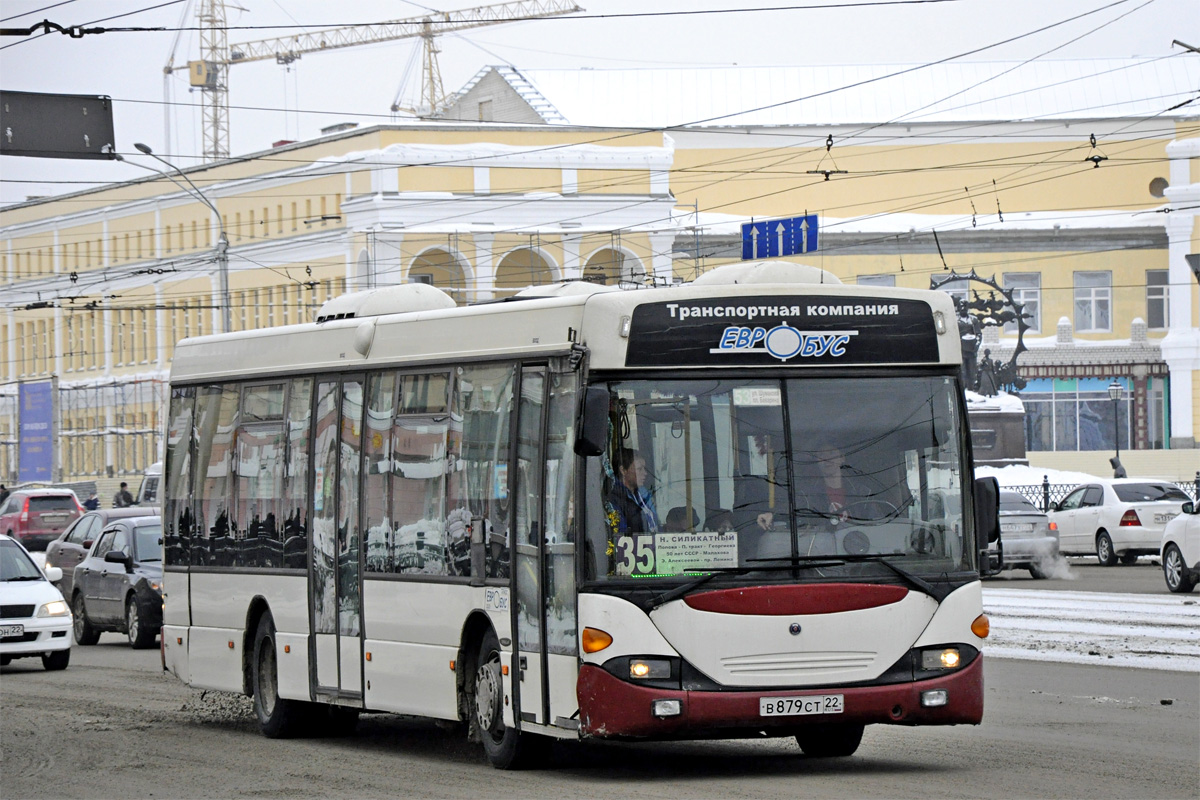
629,496
720,521
677,520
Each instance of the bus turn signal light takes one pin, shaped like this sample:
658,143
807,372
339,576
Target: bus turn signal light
981,627
595,640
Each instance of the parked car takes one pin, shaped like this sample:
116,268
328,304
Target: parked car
1181,549
118,587
34,618
73,544
1028,539
1116,518
35,517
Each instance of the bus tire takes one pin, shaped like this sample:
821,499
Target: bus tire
278,718
505,748
830,741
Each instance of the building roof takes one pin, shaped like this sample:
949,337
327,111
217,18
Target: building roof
867,93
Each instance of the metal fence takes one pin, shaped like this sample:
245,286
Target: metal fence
1046,494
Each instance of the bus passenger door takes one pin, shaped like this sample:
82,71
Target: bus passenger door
527,529
547,649
335,596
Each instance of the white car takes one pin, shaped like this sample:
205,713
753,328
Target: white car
1116,518
1181,550
34,618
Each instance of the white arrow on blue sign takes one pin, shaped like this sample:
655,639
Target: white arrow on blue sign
779,237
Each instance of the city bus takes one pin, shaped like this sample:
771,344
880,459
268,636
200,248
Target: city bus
740,506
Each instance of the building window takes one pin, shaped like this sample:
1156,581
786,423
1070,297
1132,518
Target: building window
1077,414
1026,288
1157,316
1093,302
958,289
876,280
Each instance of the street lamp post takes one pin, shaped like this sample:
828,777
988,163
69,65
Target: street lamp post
1115,391
222,241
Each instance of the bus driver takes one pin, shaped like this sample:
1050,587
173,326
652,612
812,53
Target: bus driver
629,497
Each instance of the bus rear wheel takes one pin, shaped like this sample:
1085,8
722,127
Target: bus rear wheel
505,747
830,741
278,718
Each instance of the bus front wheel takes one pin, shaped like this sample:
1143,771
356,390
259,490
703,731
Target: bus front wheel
830,741
278,718
505,747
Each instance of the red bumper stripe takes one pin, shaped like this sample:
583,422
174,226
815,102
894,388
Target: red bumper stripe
823,598
609,707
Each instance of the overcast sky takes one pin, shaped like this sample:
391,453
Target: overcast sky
360,84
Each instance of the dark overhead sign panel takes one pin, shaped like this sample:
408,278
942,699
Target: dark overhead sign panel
56,125
812,330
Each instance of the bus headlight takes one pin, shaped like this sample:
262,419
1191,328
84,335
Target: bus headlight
649,668
944,658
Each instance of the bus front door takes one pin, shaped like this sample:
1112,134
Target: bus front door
544,559
335,598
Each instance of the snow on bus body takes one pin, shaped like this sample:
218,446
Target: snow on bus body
760,315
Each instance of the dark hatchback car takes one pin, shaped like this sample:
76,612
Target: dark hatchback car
72,546
36,517
118,587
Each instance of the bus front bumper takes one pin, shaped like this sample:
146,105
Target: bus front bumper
612,708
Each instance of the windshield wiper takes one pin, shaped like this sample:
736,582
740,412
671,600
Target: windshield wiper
24,578
938,593
685,589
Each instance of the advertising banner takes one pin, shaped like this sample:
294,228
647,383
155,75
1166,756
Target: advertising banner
36,432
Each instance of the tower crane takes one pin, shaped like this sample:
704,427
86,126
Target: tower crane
211,73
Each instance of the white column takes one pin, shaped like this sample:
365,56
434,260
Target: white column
572,267
1181,345
661,245
485,269
58,340
161,333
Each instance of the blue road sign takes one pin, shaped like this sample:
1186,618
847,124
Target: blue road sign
779,237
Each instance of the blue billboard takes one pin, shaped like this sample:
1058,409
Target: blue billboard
36,442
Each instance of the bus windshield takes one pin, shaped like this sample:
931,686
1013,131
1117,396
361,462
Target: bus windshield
759,477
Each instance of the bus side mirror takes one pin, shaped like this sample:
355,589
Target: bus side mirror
593,422
987,523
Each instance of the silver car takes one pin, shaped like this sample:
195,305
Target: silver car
1028,538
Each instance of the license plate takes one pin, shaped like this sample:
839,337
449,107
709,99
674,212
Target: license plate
1163,518
1016,527
796,706
12,630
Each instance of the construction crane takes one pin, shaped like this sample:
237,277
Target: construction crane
211,73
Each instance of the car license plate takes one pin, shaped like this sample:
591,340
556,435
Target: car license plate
795,706
1016,527
12,630
1163,518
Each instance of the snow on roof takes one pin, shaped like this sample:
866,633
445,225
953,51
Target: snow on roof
865,93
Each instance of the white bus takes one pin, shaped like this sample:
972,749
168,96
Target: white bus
738,506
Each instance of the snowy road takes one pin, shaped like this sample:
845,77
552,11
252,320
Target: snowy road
1127,630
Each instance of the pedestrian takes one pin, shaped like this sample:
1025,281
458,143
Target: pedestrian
92,503
123,499
3,492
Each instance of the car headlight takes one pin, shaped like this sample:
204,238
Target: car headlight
155,585
55,608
